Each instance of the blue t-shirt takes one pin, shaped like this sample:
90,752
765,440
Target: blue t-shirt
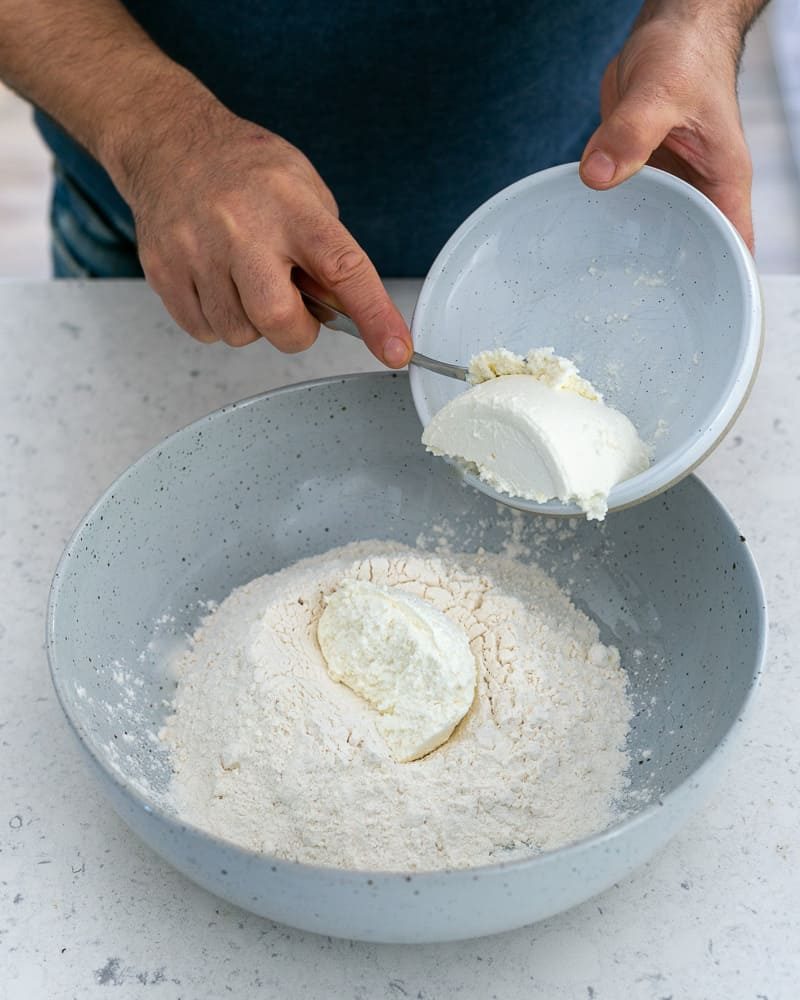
413,113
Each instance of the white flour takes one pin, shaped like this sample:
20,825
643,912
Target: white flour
269,752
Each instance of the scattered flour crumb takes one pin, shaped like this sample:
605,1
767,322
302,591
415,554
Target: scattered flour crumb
661,429
656,280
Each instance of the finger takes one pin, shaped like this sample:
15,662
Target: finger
733,202
724,175
730,188
180,299
223,310
625,141
327,251
273,305
200,327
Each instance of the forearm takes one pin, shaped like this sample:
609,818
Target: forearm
91,67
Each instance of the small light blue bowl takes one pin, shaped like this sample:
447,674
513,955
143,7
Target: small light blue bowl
648,287
256,486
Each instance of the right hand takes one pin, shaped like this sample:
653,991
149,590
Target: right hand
669,99
225,211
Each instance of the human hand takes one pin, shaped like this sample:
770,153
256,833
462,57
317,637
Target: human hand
225,212
669,99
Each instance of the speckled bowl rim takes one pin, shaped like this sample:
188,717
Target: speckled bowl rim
572,850
667,472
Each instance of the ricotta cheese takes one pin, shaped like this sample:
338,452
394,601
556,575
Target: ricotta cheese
533,428
405,658
543,363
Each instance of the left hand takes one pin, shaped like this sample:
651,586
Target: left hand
669,99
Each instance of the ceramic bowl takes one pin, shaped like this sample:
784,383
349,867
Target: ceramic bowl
254,487
647,287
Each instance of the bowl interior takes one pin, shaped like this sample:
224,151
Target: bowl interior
254,487
647,287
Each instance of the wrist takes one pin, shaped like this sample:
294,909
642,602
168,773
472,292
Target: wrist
703,33
727,21
160,102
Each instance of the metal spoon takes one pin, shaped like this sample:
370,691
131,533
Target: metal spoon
337,320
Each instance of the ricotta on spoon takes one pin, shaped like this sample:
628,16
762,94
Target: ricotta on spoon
405,658
533,428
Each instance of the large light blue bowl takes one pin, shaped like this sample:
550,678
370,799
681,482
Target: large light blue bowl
648,287
258,485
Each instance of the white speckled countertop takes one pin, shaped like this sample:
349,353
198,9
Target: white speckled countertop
92,376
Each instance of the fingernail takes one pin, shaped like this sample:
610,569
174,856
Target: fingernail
395,352
599,167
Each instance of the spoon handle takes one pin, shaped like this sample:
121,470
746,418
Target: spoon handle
337,320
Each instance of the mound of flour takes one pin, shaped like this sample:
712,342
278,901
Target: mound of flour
271,753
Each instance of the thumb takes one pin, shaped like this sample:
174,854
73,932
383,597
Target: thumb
627,138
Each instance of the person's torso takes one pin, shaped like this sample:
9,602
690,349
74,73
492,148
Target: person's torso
413,113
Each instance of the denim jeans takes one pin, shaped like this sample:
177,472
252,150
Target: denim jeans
84,242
